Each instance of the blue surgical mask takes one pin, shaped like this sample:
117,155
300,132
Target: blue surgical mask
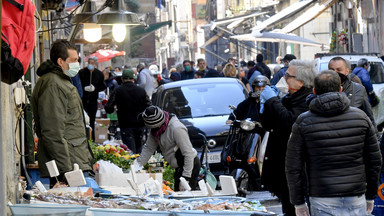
73,69
90,67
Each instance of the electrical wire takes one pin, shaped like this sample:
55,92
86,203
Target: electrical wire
65,17
51,29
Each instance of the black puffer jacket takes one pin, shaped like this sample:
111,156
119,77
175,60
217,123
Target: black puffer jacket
338,147
278,118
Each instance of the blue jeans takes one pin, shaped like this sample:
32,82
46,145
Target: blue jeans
338,206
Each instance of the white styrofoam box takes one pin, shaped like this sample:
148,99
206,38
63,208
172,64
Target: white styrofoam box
120,180
228,184
52,168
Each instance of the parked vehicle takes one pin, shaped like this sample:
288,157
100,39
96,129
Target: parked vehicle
376,73
240,153
201,105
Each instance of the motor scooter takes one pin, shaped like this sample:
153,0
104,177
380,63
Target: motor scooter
240,152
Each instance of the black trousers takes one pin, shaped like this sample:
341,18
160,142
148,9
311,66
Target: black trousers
132,137
179,171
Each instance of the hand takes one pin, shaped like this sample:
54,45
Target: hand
302,210
89,88
370,206
267,93
137,165
228,122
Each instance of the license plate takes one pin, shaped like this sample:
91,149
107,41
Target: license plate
213,157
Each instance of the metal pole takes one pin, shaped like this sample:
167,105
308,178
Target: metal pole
3,150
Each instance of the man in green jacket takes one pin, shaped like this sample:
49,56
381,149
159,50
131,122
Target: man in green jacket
58,113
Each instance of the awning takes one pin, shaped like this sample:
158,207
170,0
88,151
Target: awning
211,40
308,16
286,12
233,21
276,37
139,30
104,55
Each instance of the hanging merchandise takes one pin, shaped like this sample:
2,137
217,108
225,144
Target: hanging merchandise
17,38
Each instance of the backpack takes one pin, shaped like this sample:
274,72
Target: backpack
17,38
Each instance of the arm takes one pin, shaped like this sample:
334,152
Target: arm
181,138
148,149
372,160
110,106
52,112
100,85
277,116
294,166
141,80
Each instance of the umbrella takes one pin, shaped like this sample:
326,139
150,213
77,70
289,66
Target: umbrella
275,37
104,55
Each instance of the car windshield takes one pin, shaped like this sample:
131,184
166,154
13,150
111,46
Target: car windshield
203,100
376,72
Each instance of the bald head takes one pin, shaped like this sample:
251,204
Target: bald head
327,81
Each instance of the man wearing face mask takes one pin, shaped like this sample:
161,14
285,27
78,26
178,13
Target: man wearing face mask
355,92
188,72
249,108
92,81
58,114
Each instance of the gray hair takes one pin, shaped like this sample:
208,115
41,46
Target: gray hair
305,71
94,58
179,67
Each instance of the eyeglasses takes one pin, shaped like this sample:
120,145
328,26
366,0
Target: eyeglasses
289,76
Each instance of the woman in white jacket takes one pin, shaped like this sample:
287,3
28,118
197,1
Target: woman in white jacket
168,133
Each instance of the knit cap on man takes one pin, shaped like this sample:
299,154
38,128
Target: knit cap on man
153,117
128,74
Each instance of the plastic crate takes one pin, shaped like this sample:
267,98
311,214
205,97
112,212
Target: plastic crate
112,116
47,209
121,212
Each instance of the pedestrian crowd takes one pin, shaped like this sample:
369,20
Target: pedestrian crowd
322,156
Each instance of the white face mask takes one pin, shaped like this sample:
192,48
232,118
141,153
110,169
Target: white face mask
73,69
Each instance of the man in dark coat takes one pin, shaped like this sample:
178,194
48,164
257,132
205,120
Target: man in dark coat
188,72
58,114
92,81
332,153
278,117
355,92
205,70
131,100
260,63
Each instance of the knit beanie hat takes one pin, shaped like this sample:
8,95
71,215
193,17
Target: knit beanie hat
153,117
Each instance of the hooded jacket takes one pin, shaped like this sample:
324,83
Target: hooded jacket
364,77
59,121
337,146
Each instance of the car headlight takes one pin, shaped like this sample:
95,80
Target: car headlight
247,125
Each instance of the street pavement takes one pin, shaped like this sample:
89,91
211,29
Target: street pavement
271,203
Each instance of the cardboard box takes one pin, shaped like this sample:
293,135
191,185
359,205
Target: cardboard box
120,180
101,134
103,121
